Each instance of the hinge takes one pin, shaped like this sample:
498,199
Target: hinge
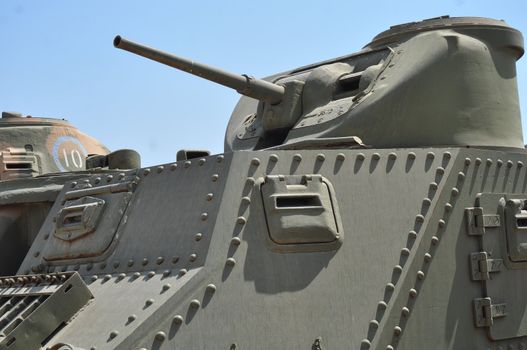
477,221
481,266
485,312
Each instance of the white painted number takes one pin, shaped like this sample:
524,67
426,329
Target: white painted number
75,156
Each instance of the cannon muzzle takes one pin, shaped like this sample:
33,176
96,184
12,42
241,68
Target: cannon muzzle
244,84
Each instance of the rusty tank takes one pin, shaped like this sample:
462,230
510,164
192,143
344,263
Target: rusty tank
372,201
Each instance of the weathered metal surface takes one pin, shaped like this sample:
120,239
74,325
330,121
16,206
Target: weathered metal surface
381,204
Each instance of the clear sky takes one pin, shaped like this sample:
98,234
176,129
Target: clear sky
57,58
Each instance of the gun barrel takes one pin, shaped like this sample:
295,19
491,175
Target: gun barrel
244,84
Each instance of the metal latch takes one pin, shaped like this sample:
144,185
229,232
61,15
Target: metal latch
481,266
477,221
485,312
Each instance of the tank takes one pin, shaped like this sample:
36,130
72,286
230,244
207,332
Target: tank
370,201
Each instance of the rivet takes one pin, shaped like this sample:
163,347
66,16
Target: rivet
509,164
209,196
364,344
461,176
211,288
448,207
160,169
113,334
149,302
121,276
441,223
398,269
144,262
467,161
390,286
489,162
412,234
220,158
255,161
106,277
198,236
397,330
241,220
433,186
192,257
427,202
376,156
73,184
136,275
173,166
204,216
389,347
435,240
160,260
187,164
382,305
420,275
447,155
411,155
182,272
321,157
146,172
430,155
405,251
201,161
520,164
273,158
132,318
195,303
419,218
499,163
392,155
176,258
440,170
130,263
167,273
97,180
236,241
361,156
341,157
231,261
94,278
297,157
166,287
215,177
455,191
405,311
428,257
413,293
246,200
178,319
116,264
478,161
150,274
160,336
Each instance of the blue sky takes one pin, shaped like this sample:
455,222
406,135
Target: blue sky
57,58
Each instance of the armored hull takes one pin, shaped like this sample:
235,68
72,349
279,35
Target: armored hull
296,242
